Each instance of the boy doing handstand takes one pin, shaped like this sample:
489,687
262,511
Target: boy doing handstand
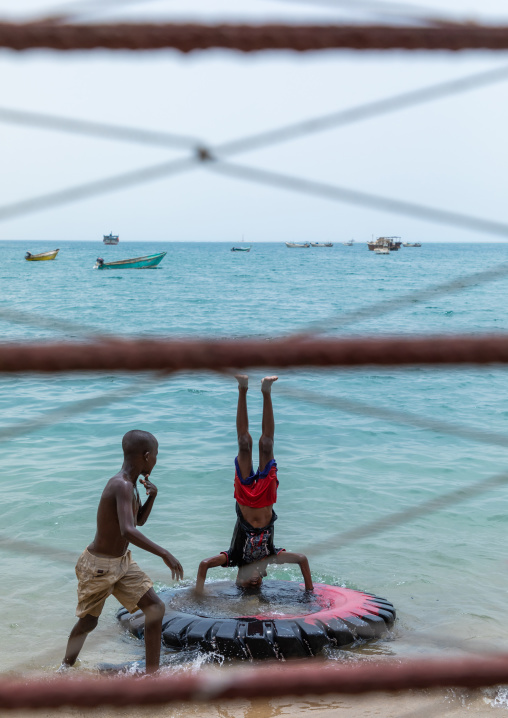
252,546
106,567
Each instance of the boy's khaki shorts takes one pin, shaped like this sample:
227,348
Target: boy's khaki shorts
99,578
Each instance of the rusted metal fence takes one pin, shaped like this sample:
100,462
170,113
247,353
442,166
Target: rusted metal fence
97,354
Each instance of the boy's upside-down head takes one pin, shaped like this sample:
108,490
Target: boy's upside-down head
250,576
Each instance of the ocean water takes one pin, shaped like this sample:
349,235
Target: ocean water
446,572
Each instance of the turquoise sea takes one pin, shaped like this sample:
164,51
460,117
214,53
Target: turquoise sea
446,572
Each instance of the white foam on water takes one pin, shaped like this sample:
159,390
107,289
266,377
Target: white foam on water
499,699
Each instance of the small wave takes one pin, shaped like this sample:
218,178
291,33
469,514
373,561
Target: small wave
497,697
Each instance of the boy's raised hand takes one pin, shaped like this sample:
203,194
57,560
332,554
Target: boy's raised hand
151,489
175,566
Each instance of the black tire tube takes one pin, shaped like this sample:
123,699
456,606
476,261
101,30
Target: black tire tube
347,615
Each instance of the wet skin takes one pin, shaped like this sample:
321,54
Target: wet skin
251,575
256,517
120,511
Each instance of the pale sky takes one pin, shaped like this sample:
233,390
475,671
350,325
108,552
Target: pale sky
449,154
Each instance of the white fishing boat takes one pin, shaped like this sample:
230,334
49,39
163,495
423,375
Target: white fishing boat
411,244
110,238
321,244
381,250
349,244
296,245
393,243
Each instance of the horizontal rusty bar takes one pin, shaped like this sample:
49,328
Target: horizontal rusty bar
267,681
190,37
147,354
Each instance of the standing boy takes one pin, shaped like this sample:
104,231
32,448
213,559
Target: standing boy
106,566
252,546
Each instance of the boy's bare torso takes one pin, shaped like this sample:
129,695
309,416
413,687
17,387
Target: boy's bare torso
108,541
257,518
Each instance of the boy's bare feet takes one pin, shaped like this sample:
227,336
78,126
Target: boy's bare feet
266,383
243,381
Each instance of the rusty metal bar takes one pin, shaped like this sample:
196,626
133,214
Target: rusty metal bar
137,355
190,37
267,681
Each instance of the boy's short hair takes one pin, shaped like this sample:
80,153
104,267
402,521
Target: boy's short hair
137,442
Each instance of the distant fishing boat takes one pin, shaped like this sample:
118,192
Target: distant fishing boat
110,238
42,256
150,260
393,244
411,244
349,244
321,244
240,249
295,245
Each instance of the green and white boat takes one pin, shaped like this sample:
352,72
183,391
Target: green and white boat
147,262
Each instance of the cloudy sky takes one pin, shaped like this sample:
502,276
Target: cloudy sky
450,154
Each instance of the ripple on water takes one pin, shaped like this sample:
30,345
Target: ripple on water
444,571
226,600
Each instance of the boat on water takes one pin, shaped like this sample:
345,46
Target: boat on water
42,256
393,243
349,244
321,244
296,245
381,250
411,244
147,262
110,238
240,249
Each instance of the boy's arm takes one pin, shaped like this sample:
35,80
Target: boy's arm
205,564
131,533
144,511
301,560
